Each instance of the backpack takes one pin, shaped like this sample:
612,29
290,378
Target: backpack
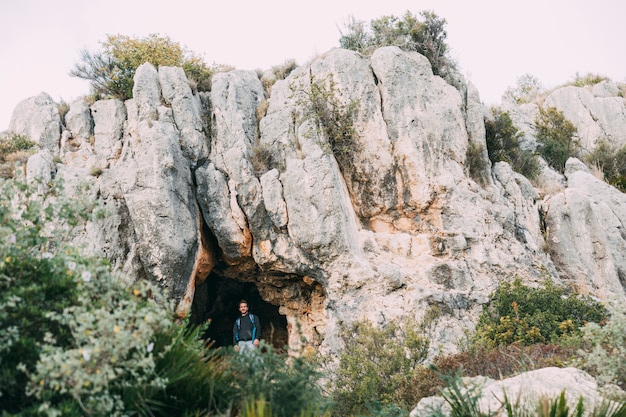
252,320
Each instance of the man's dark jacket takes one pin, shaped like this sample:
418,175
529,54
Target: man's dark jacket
244,328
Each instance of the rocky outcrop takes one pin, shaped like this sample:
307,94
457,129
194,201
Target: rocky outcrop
392,232
598,113
527,389
586,227
38,118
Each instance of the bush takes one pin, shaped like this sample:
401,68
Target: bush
111,71
605,354
14,147
33,285
335,120
376,367
263,158
426,36
611,161
503,145
286,385
556,136
520,314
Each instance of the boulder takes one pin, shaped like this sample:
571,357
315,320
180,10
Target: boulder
38,118
585,232
525,390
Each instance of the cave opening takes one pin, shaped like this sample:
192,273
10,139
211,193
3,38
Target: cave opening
217,299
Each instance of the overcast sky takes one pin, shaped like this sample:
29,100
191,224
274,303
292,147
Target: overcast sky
493,41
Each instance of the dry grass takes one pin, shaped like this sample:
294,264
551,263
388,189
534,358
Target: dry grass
498,363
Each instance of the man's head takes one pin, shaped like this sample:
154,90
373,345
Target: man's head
243,307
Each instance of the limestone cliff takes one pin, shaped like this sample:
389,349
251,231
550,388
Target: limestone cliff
400,230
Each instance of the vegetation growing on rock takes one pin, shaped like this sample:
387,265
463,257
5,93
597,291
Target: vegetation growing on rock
425,34
110,71
503,144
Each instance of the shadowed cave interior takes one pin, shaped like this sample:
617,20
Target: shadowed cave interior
217,299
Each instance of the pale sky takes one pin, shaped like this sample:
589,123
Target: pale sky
493,41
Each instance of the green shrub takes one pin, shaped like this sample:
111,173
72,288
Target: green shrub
376,367
286,386
78,339
611,161
520,314
605,352
14,147
30,289
32,286
425,34
111,70
556,136
502,139
321,104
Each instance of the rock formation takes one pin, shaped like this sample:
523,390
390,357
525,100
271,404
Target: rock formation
527,390
396,230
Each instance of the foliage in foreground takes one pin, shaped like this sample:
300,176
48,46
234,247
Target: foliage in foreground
77,338
111,70
518,313
376,367
283,385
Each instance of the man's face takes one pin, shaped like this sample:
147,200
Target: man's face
243,309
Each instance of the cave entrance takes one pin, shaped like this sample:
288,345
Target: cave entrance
217,299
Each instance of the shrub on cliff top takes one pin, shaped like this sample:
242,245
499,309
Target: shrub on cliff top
425,34
111,70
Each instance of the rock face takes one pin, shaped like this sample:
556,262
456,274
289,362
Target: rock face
218,201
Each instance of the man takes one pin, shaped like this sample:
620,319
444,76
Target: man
246,330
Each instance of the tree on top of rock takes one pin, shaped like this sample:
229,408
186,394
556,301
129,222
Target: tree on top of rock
111,70
425,34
